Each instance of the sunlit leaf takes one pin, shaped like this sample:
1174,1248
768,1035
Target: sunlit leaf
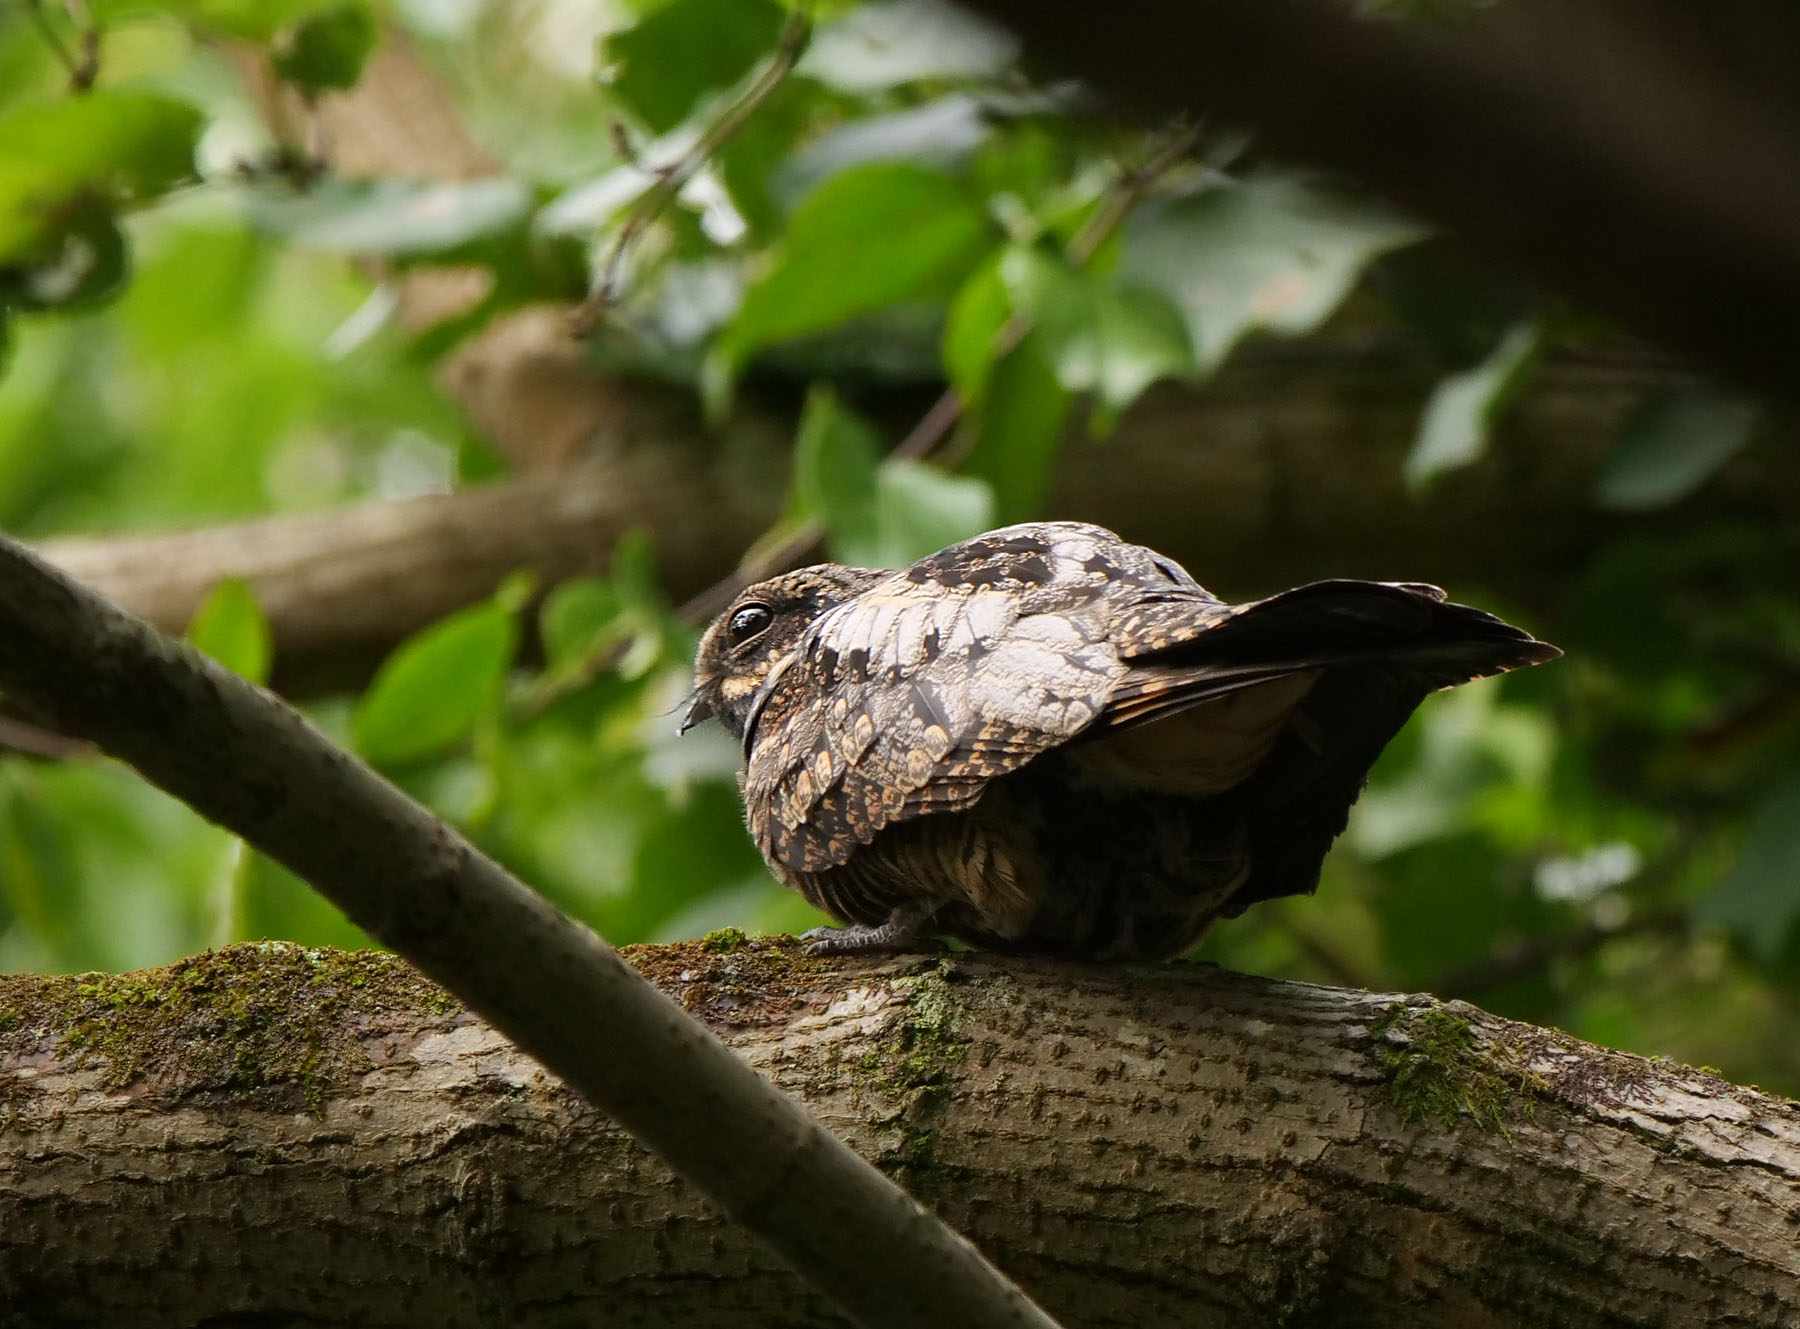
919,509
1672,443
1274,251
1110,340
110,145
230,626
436,685
662,64
252,20
938,134
1463,407
980,309
391,216
867,238
1019,426
836,457
576,617
891,42
273,902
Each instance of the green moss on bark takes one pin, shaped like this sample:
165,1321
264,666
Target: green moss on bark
271,1021
1438,1068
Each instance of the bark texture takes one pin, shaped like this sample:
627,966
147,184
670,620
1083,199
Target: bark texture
277,1136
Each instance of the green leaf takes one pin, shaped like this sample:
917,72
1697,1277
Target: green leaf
391,217
122,147
941,134
1671,443
868,238
1463,407
980,309
1759,899
252,20
918,510
836,457
1104,339
577,617
229,626
437,684
880,46
1019,426
328,49
1274,251
89,266
668,59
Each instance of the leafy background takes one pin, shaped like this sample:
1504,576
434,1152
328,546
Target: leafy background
867,203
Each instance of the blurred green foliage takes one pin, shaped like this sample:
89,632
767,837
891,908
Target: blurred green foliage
196,324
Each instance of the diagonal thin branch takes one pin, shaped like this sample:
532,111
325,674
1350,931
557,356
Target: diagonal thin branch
670,178
245,760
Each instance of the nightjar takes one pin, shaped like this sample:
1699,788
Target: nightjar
1046,739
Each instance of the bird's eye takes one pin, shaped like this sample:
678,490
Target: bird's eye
748,621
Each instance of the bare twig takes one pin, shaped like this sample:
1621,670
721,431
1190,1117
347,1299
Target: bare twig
1129,190
672,176
253,765
84,68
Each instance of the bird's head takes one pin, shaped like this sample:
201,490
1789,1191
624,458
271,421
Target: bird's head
761,629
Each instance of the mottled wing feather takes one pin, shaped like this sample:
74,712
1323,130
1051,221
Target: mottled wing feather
912,697
1185,654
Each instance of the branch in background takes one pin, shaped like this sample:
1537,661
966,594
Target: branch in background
1662,193
246,761
342,588
670,178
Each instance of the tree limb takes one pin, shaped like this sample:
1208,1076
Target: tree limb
1642,157
1265,443
277,1134
342,587
251,764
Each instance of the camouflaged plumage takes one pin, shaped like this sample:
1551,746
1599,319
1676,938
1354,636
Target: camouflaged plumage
1045,738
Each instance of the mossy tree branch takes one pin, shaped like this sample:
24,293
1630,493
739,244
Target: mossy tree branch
240,757
340,1142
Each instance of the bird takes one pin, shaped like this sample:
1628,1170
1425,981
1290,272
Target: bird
1045,739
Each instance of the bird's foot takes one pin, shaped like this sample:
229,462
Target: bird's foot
903,931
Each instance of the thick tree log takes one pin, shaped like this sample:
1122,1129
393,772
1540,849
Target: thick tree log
281,1136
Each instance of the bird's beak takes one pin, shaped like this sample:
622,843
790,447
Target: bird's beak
701,710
